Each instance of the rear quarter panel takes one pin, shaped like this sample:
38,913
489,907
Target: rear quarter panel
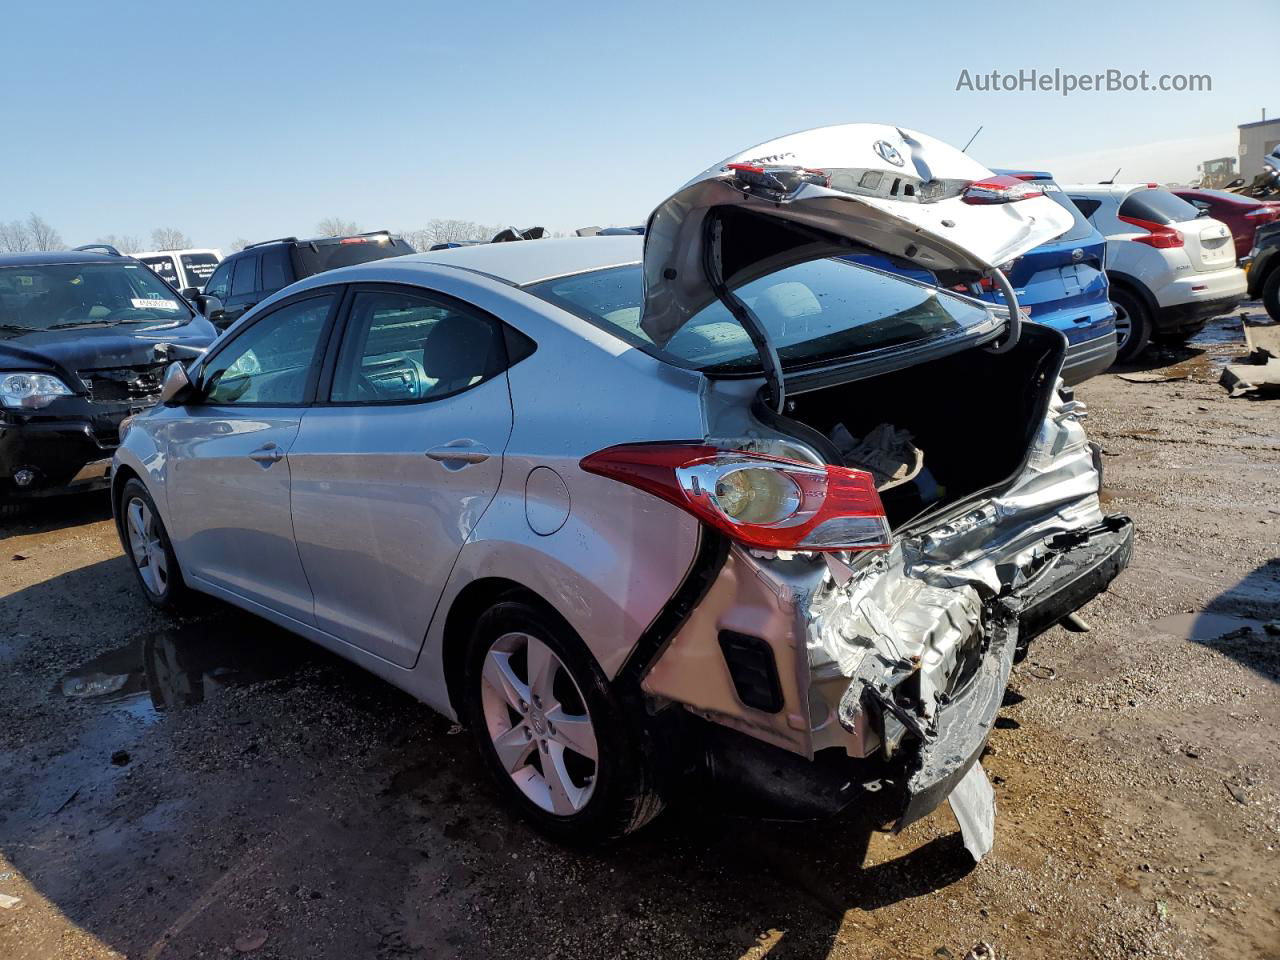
620,554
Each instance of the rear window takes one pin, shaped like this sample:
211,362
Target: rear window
1157,206
1080,228
1085,205
321,255
813,311
164,268
199,267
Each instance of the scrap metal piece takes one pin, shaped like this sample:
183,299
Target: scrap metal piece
973,802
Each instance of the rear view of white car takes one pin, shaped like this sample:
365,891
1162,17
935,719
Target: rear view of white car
185,270
1171,270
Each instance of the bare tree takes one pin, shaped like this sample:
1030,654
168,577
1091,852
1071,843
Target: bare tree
42,236
336,227
238,244
18,236
13,237
126,243
450,231
169,238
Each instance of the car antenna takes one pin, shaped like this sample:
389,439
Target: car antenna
1113,176
971,139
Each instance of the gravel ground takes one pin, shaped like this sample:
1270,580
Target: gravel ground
266,799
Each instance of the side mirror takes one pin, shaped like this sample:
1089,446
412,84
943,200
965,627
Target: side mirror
191,293
208,305
176,387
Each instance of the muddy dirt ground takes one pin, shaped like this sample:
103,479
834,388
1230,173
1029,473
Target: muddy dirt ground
216,788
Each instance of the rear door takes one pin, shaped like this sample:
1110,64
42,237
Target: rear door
396,464
228,456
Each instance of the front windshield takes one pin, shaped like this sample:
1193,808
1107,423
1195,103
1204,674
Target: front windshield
58,296
813,311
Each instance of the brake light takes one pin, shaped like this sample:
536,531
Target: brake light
353,240
744,167
1265,214
1002,189
760,501
1158,235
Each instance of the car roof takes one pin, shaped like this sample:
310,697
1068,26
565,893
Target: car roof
51,257
523,262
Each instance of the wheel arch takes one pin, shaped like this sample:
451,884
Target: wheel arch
1135,287
467,607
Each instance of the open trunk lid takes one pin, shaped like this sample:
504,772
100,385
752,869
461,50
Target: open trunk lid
831,190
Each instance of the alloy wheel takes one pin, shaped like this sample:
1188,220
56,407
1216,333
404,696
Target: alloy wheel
145,546
538,723
1124,327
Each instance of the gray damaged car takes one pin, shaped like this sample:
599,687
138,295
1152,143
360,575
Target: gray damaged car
715,500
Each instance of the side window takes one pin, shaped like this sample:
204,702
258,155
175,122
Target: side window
275,269
272,361
402,347
1086,206
163,266
245,278
219,284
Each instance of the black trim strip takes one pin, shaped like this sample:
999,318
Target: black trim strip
713,550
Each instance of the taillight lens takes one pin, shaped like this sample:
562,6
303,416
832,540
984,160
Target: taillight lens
1158,235
1000,190
760,501
1265,214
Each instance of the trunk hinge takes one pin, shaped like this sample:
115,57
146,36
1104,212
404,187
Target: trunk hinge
741,312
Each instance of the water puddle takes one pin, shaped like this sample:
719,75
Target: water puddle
1204,626
182,667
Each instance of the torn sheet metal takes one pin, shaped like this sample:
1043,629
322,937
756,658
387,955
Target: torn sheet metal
973,803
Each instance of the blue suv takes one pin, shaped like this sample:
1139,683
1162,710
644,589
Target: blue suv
1061,284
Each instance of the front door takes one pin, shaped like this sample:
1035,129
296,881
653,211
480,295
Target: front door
391,474
229,490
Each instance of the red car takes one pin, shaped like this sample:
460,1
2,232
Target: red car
1242,215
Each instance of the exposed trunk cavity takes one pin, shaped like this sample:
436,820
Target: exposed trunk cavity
972,416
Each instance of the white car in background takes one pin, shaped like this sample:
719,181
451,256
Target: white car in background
1171,270
184,269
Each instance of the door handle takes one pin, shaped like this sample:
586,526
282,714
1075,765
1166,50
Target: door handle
456,454
267,454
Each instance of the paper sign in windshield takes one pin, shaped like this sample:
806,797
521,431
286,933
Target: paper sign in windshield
155,304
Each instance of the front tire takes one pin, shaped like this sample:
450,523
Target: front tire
146,544
1133,324
551,730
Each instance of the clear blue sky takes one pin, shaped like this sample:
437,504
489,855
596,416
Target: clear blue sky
233,119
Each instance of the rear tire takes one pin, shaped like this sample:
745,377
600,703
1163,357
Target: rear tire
146,544
1133,324
1271,294
539,706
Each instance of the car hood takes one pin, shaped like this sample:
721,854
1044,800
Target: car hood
860,186
65,352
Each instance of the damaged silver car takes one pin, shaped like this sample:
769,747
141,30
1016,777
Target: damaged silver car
713,499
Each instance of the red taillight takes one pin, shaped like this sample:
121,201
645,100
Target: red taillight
744,167
1158,235
1265,214
1000,190
354,240
760,501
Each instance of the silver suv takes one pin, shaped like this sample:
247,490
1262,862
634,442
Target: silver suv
629,507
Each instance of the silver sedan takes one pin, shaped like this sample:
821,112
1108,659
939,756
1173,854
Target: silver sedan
732,498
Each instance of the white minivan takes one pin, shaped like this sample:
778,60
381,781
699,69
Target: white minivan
183,269
1171,270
